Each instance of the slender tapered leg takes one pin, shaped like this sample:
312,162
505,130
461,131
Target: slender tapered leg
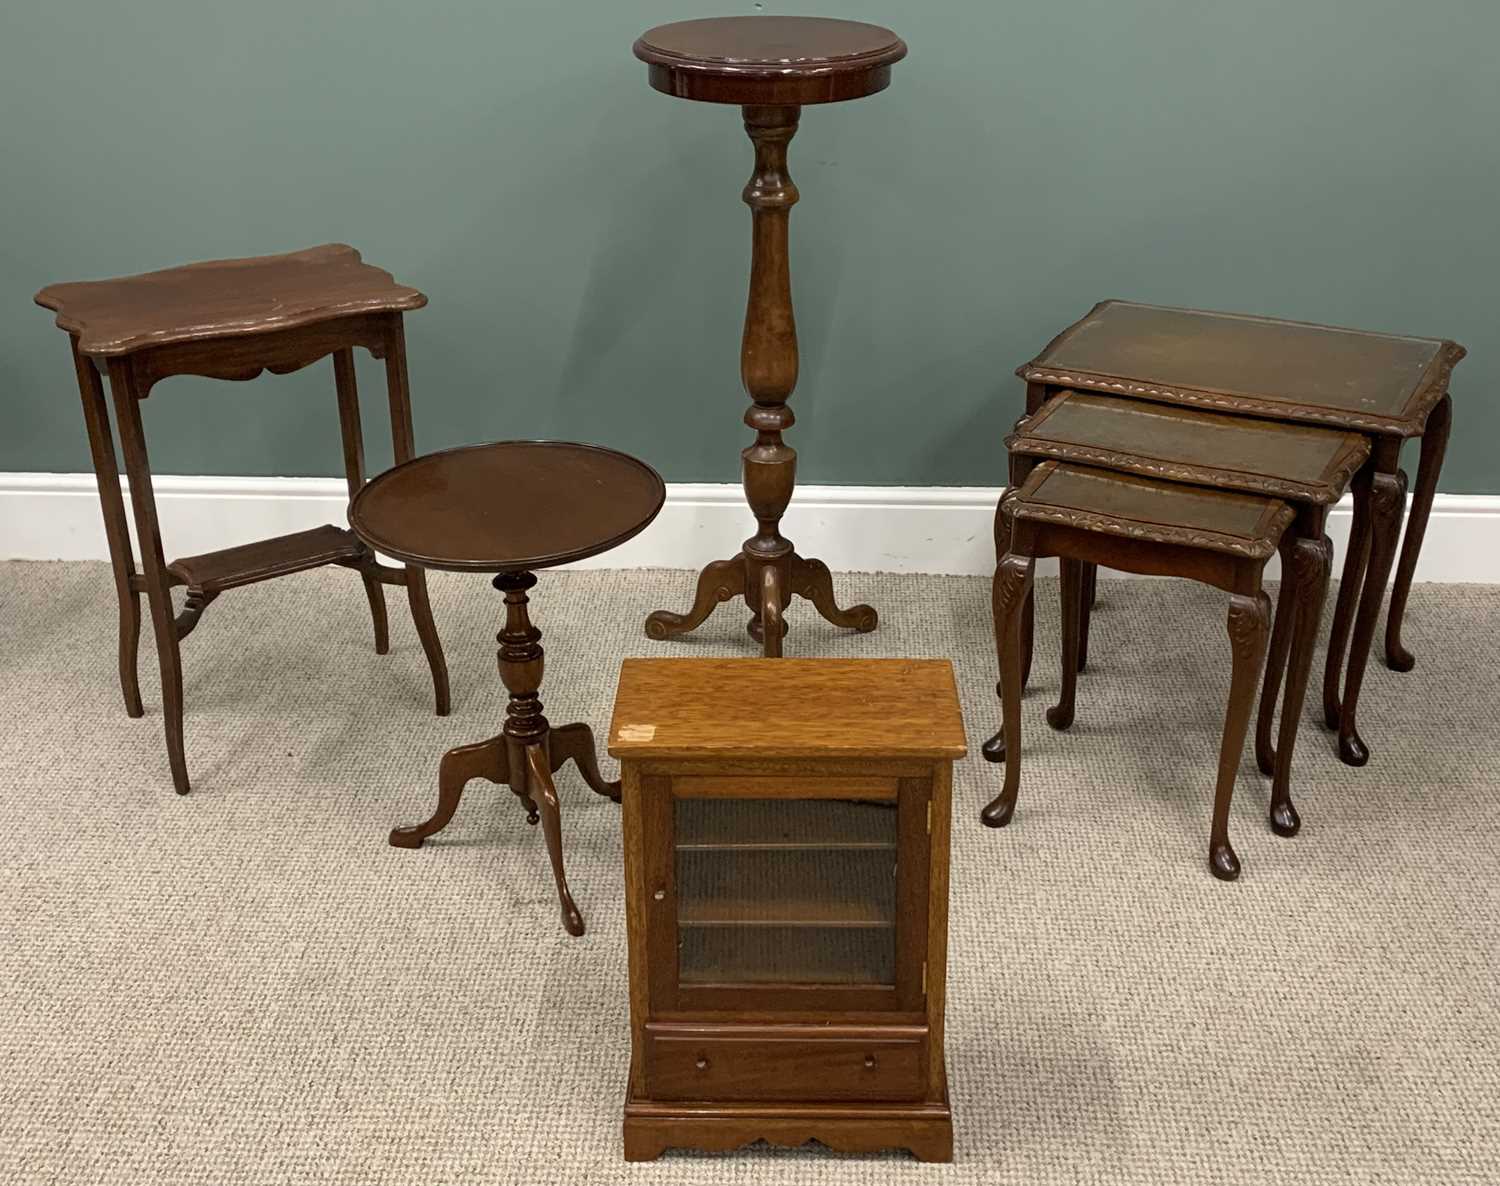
720,581
403,448
484,759
543,793
1434,448
1311,561
122,385
421,614
116,532
1351,581
1012,582
576,742
375,594
812,580
1249,623
354,477
1387,501
1060,715
1281,645
1086,611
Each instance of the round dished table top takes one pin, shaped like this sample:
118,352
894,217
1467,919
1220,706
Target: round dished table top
770,60
510,506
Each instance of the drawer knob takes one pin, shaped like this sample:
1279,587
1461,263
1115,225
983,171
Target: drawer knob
702,1063
869,1061
660,895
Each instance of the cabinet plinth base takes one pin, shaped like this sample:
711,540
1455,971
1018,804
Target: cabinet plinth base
924,1129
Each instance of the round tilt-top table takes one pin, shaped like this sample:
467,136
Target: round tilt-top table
510,508
771,66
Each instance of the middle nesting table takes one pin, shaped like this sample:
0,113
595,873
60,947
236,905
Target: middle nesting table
510,508
1308,467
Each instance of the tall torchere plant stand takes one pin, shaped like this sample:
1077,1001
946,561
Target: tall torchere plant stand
233,319
1385,386
771,67
510,508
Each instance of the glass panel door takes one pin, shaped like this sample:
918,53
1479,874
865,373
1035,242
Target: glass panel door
786,891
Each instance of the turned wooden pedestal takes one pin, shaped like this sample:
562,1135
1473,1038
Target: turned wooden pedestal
512,506
233,319
772,67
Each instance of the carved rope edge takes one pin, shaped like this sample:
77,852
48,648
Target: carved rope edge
1160,533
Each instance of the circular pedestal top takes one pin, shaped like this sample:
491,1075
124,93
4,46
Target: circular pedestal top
511,506
770,60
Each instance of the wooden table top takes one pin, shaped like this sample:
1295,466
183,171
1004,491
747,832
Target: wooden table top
1159,512
1273,457
510,506
224,297
770,60
818,708
1291,370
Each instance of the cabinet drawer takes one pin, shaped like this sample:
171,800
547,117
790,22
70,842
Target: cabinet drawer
783,1064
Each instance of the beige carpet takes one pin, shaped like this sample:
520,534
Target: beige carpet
249,986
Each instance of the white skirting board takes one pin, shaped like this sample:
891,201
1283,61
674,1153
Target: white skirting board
930,529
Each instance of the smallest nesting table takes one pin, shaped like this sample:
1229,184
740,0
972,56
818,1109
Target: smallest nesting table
510,508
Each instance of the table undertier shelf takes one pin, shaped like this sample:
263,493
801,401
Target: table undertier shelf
228,568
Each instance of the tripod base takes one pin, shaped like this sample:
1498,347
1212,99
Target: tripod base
767,584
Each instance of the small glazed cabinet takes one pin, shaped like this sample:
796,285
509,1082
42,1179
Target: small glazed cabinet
786,867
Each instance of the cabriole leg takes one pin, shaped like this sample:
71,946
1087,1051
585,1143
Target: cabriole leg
1012,582
1311,561
1429,467
1387,501
1249,622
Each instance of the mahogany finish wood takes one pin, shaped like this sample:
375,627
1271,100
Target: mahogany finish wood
830,837
781,61
511,507
1309,466
1159,528
221,298
771,66
1292,461
233,319
1386,386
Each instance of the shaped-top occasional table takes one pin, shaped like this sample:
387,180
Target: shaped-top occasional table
233,319
510,508
771,66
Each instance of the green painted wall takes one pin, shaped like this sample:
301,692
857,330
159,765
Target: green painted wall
585,249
